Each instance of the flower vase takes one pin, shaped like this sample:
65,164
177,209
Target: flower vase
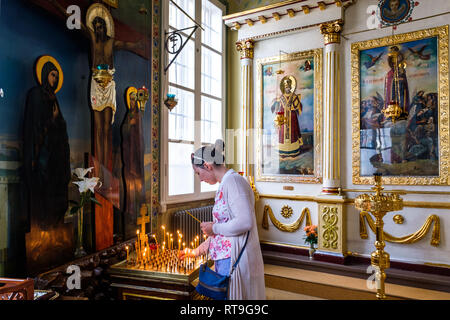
311,252
79,251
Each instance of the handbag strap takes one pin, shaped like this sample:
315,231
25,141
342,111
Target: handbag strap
239,257
240,254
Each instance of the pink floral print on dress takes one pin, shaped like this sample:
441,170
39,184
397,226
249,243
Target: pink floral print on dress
220,246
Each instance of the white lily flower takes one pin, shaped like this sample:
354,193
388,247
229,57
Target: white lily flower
82,172
82,186
91,183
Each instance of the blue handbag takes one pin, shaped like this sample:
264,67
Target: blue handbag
214,285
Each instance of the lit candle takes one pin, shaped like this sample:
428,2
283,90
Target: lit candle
179,244
127,252
164,232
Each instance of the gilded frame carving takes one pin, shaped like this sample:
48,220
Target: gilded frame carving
443,100
317,55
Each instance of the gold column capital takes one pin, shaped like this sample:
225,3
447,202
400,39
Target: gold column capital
331,31
245,48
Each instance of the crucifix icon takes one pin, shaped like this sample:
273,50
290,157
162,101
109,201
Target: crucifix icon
143,219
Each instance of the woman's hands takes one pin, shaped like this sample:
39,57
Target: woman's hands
207,228
187,253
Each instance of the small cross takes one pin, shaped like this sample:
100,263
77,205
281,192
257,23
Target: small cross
143,219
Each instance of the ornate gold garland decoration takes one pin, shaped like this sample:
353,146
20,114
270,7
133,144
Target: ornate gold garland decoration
282,226
412,238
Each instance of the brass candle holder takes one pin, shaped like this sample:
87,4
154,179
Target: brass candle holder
379,204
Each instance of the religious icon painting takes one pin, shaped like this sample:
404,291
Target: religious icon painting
289,117
393,12
400,108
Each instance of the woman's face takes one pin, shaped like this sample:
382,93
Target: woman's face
53,78
205,174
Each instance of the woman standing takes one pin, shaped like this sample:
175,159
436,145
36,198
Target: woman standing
233,218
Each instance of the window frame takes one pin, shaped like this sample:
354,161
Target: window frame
164,143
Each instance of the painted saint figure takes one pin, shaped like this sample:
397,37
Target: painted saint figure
289,105
46,153
395,81
133,154
395,10
99,29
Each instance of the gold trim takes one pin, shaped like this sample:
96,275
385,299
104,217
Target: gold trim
283,244
252,11
426,204
125,294
317,55
400,191
331,31
112,3
262,19
251,180
236,25
330,236
286,212
436,264
276,16
249,22
350,201
332,228
322,5
306,9
246,50
291,12
398,219
282,226
412,238
444,143
279,33
339,3
304,198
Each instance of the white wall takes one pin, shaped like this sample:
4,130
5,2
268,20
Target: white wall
426,15
355,29
290,43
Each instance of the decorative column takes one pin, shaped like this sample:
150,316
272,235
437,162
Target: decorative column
332,223
245,157
331,138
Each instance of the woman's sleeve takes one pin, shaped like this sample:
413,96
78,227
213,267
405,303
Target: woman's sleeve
241,206
203,247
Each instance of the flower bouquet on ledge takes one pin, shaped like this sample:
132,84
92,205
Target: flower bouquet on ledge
311,238
86,187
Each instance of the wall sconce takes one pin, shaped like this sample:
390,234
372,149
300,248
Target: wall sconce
170,101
